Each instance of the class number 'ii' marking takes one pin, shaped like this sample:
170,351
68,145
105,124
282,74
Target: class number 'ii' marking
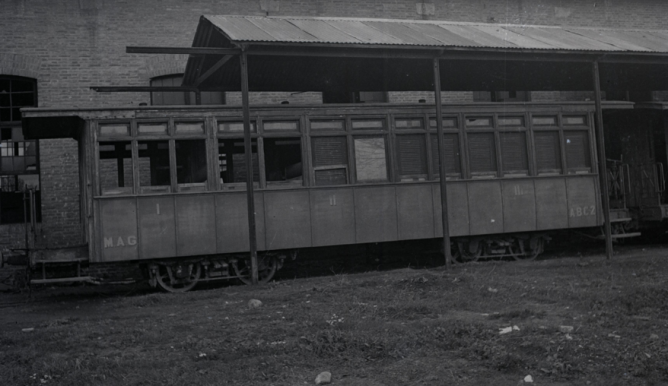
579,211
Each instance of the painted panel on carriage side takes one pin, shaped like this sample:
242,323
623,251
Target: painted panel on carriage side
486,209
415,212
519,206
232,222
118,229
332,217
375,214
288,219
551,203
582,203
458,209
157,228
195,225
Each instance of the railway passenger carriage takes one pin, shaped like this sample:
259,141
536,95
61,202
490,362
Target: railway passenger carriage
166,187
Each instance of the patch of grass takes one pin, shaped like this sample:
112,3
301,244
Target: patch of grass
377,328
514,315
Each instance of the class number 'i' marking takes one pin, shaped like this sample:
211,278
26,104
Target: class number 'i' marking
157,208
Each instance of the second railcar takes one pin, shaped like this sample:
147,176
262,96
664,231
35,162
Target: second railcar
165,186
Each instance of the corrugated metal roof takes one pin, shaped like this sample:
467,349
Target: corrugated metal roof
418,33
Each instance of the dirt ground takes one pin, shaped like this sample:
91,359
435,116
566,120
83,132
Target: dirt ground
560,320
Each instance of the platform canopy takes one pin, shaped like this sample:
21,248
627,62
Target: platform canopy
354,54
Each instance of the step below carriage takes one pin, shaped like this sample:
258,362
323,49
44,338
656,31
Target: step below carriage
165,187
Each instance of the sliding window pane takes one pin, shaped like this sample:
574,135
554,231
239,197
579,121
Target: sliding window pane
452,160
548,152
482,153
514,153
412,155
578,159
370,159
330,160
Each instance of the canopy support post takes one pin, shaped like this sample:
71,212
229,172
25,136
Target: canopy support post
602,167
441,159
249,167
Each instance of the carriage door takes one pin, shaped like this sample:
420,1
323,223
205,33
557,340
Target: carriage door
635,172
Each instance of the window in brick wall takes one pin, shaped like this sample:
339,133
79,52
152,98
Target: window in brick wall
501,96
354,97
19,166
179,97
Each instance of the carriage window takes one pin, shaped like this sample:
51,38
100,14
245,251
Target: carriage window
478,122
114,130
370,161
411,156
335,124
544,121
234,127
330,160
281,125
190,164
578,159
510,121
368,124
448,123
153,166
409,123
232,162
548,152
482,154
283,160
116,168
452,160
152,128
514,153
576,120
190,127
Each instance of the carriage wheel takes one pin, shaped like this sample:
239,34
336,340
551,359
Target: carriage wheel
267,266
532,253
178,277
465,254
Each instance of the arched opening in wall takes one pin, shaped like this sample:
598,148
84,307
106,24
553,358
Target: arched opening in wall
180,97
19,158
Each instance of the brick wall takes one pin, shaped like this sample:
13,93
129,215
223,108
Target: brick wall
70,45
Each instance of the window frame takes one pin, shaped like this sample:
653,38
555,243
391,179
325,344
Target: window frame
422,132
14,125
456,129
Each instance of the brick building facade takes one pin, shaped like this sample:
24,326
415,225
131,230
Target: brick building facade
66,46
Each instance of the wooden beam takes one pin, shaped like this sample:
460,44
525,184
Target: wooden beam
212,70
457,53
441,158
182,50
602,166
245,102
141,89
